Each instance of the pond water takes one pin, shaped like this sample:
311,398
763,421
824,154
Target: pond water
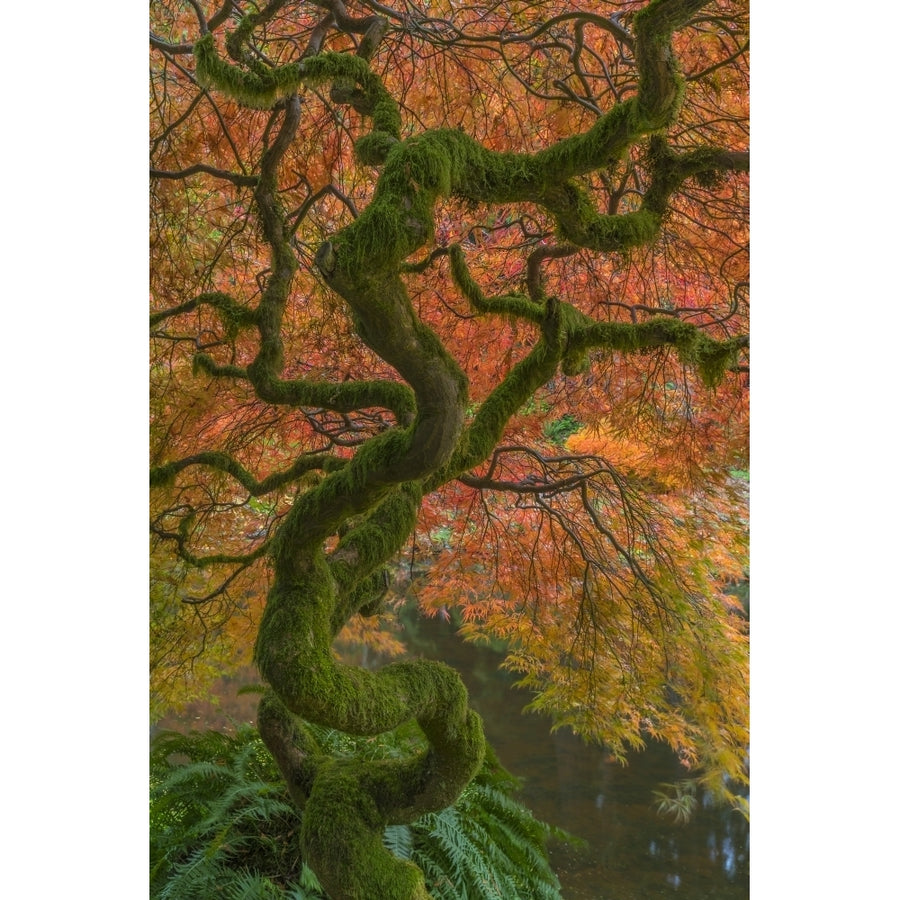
632,852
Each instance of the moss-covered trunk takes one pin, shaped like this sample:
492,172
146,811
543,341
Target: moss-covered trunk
372,499
348,803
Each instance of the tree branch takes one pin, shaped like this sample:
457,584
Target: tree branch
222,462
198,168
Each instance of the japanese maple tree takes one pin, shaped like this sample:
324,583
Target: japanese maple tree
464,282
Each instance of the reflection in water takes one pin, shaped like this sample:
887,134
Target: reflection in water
632,852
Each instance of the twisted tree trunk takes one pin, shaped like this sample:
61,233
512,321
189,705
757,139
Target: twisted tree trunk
372,499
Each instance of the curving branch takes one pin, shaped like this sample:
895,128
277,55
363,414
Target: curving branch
198,168
535,259
371,500
372,28
222,16
180,540
233,314
222,462
512,305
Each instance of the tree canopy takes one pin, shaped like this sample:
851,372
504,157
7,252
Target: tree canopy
458,292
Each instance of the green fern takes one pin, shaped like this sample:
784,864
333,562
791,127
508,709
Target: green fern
222,824
250,886
399,840
487,843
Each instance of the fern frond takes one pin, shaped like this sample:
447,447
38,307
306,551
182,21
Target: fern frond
194,879
399,840
251,886
440,882
222,824
309,882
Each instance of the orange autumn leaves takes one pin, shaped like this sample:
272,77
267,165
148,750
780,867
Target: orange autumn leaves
614,597
607,569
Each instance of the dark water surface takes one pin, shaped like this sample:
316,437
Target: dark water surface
632,851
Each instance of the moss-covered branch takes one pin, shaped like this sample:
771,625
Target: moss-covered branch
236,39
366,546
222,462
348,396
269,360
581,224
661,85
372,500
486,430
515,306
256,89
180,540
446,162
712,358
234,316
568,336
350,802
203,362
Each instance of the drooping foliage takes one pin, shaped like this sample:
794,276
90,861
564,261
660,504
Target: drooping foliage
456,292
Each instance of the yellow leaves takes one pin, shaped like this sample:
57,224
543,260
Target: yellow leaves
625,452
613,600
605,568
191,646
363,640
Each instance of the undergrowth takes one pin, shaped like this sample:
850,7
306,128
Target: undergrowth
223,826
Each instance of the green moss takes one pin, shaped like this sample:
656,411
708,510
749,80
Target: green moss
235,39
163,476
342,840
616,233
711,358
351,801
715,359
260,89
575,363
601,146
486,429
383,235
234,316
369,544
342,67
292,744
202,362
374,497
661,86
368,597
347,396
372,149
515,306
